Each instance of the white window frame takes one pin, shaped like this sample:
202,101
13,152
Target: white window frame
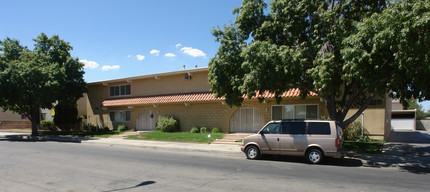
294,110
119,92
118,111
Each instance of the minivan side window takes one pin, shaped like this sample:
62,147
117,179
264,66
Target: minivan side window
319,128
294,128
272,128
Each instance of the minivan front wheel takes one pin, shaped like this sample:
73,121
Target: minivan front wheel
314,156
252,152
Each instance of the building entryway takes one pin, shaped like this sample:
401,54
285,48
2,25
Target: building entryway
146,121
246,120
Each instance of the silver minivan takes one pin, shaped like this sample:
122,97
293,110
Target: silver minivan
314,139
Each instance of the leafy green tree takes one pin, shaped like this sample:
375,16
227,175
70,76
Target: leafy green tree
347,52
35,79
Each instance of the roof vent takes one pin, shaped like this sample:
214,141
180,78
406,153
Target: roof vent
187,77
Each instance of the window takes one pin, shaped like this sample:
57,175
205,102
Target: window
319,128
280,112
120,116
272,128
119,90
294,128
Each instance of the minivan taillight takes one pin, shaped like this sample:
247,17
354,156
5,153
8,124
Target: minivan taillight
337,142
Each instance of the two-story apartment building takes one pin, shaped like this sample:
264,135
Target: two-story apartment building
139,101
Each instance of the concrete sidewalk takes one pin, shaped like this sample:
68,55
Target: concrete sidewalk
173,146
231,150
411,157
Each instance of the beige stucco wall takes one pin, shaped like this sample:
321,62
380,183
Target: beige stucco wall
10,116
376,119
203,114
170,84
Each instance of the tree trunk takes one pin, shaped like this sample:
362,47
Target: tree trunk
34,129
35,121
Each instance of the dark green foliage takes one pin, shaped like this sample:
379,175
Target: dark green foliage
203,129
122,128
347,52
105,129
194,130
168,124
65,113
89,127
363,146
216,130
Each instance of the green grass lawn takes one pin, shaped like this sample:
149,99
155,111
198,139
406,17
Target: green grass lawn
89,134
178,136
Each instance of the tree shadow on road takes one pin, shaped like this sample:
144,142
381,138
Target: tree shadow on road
136,186
46,138
413,158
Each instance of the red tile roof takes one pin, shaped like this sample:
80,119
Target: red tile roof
185,97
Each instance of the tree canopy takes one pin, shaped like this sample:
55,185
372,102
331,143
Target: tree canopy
35,79
347,52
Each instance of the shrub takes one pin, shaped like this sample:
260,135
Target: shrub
89,127
353,132
48,125
194,130
168,124
106,129
122,127
216,130
203,130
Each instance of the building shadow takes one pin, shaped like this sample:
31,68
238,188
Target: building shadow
408,137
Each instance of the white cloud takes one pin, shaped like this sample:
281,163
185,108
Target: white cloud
178,45
129,56
140,57
193,52
110,67
155,52
170,55
89,64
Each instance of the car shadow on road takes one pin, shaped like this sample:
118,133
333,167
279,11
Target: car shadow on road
46,138
328,161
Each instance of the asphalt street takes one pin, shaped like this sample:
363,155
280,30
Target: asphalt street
58,166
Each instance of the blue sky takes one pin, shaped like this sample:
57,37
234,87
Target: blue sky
123,38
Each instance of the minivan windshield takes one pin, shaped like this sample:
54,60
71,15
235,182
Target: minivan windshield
272,128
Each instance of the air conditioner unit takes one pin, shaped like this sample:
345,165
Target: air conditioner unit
187,77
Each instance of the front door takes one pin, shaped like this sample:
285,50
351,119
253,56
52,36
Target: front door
146,121
246,119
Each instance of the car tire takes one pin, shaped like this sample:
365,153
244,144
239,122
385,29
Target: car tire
314,156
252,152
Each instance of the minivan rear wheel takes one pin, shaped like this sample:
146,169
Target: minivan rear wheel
252,152
314,156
